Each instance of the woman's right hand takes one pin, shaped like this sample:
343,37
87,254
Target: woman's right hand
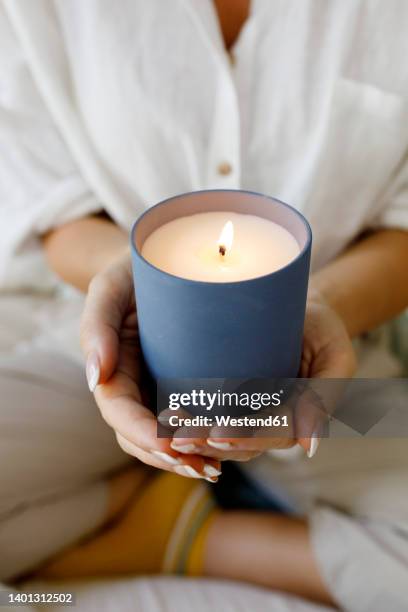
109,339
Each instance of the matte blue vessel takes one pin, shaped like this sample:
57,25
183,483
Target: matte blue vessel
244,329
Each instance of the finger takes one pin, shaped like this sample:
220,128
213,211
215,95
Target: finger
254,444
109,296
154,458
275,431
120,404
314,408
230,455
310,417
189,466
337,359
208,452
334,364
188,445
190,439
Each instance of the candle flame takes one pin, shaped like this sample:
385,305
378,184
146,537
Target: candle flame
226,238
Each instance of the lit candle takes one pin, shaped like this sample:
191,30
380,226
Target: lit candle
220,247
221,281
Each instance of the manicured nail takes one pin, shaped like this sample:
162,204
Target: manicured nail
314,444
184,448
211,471
187,470
219,445
93,371
213,480
165,457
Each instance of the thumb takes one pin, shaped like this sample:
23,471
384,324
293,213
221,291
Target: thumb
110,294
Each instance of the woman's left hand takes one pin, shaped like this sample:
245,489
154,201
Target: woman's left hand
327,353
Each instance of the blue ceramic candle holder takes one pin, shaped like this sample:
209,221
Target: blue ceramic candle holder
244,329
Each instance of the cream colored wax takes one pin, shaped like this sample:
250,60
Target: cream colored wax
220,247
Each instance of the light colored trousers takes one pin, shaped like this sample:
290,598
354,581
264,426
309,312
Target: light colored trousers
56,455
56,452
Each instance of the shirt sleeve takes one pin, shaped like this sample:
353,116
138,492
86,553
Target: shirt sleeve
40,186
394,211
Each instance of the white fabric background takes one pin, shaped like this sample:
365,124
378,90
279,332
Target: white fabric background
183,595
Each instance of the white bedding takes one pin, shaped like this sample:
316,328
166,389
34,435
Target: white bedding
168,594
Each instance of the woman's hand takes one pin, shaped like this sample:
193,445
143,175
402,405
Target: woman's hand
109,339
327,348
110,342
327,353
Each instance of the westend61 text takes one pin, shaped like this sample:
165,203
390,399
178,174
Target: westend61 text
228,421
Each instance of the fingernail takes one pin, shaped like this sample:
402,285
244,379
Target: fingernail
187,470
213,480
314,445
211,471
92,371
219,445
184,448
165,457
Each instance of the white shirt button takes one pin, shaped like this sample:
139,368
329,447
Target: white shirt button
224,168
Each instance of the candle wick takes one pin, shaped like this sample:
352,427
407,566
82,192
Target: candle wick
222,250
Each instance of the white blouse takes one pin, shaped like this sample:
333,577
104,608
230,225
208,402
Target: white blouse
117,105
